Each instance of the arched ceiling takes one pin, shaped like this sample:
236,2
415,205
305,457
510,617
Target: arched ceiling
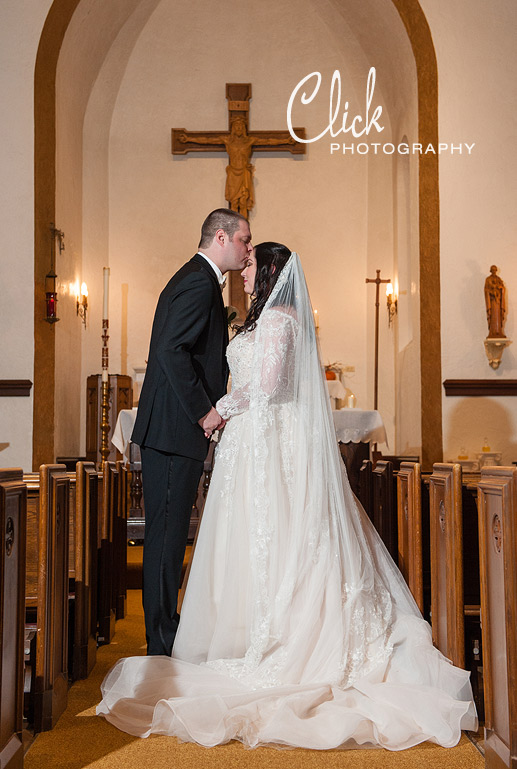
101,36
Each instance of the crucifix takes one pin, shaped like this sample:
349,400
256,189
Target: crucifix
239,143
378,282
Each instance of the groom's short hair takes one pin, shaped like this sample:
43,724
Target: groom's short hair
220,219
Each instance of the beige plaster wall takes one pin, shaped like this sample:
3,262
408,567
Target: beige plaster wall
99,39
21,22
477,58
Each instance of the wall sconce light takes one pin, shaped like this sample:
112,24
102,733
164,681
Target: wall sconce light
82,303
391,300
316,320
50,277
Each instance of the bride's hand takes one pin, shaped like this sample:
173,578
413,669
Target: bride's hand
211,421
220,427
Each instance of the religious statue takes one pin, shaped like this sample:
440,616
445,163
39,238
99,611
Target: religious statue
239,142
495,300
239,171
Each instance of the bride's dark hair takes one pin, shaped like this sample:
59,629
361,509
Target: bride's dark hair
271,258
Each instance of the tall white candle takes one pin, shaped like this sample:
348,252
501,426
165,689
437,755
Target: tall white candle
105,303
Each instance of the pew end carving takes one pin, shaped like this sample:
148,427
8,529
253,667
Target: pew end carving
85,554
106,587
409,521
51,672
13,513
120,515
384,512
446,525
497,509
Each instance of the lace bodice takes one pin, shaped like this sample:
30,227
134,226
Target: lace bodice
277,330
240,357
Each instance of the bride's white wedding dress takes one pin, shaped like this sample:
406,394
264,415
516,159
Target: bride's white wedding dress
297,628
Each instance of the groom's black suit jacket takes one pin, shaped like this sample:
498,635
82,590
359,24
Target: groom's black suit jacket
186,369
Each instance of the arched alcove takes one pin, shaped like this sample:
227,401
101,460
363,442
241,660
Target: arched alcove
96,41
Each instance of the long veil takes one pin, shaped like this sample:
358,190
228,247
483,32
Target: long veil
326,525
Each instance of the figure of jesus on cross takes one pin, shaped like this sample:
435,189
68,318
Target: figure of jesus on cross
239,171
239,143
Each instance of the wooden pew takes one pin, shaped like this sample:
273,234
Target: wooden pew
13,512
447,561
409,521
136,509
353,456
365,494
85,572
426,543
497,509
384,512
72,523
120,540
448,606
106,594
81,569
472,590
46,594
396,459
113,503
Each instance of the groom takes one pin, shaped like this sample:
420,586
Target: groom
186,374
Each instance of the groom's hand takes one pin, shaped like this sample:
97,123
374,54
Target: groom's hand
211,421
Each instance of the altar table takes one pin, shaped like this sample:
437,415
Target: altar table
351,425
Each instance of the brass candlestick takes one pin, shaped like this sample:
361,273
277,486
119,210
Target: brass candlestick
377,280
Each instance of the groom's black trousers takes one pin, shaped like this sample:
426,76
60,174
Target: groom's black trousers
169,483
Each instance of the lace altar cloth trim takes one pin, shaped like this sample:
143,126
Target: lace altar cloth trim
359,426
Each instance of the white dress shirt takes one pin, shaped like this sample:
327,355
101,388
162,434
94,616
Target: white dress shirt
219,274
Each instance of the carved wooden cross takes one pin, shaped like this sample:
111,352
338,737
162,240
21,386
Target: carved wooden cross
239,144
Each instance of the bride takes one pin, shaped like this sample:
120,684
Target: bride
297,629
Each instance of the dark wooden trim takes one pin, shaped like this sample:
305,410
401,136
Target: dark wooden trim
52,35
15,387
421,40
480,387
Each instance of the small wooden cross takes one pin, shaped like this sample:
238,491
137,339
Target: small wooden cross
239,143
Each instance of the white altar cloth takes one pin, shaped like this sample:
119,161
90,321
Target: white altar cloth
359,426
123,429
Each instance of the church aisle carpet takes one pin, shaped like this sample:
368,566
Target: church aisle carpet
81,739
